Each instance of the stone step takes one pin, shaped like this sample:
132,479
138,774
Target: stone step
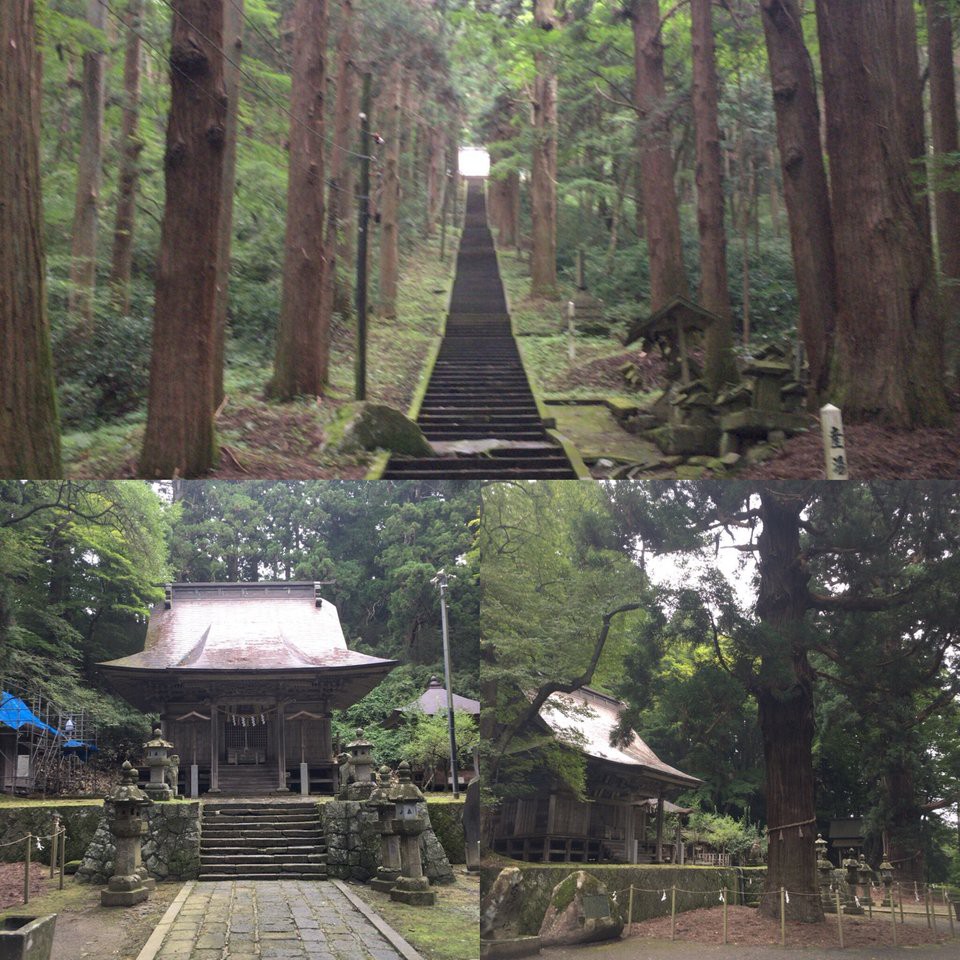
293,819
214,877
292,833
268,844
235,808
209,859
260,869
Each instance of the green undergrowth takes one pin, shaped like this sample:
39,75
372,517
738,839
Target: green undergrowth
258,437
540,326
449,930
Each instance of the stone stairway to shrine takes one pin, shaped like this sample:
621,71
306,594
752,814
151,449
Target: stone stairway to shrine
262,840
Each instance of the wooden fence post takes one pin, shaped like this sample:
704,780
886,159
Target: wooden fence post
630,909
783,917
26,871
63,853
900,898
673,911
724,914
839,918
893,917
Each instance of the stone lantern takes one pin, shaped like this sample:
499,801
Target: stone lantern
851,865
825,876
157,759
125,806
412,886
886,876
389,869
865,875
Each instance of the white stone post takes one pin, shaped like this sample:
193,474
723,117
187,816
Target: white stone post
834,443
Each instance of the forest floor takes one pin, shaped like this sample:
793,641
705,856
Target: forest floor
264,439
575,391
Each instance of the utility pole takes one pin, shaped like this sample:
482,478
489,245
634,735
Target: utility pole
363,223
442,579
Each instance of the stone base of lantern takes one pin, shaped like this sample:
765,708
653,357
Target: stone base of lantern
414,891
158,791
385,880
359,791
124,892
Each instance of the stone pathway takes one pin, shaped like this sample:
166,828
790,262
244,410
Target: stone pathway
272,920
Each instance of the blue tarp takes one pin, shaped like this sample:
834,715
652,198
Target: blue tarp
14,713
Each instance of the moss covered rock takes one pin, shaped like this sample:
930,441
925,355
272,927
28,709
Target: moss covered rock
447,821
374,426
580,911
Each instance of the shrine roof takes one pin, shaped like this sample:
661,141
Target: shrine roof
233,627
587,719
434,700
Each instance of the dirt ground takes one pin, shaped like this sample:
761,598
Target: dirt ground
755,937
11,883
85,929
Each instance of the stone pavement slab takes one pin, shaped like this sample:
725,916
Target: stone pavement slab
272,920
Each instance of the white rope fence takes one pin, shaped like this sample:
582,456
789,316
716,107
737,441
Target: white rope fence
925,901
58,853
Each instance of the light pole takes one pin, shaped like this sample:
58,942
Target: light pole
442,579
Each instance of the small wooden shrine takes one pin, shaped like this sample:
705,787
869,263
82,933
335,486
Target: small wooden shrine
244,677
622,818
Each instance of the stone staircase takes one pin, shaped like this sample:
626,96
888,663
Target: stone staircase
262,840
242,780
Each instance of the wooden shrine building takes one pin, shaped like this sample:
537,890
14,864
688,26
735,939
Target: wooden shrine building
622,818
244,677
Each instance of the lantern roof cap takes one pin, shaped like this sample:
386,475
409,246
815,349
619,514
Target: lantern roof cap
127,790
158,741
406,791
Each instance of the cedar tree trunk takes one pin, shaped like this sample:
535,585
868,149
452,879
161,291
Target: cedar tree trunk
83,251
179,438
543,181
303,334
943,123
339,208
664,248
29,430
784,692
889,333
390,205
233,35
130,145
720,367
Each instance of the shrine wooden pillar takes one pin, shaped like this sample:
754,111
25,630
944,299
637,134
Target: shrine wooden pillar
214,748
281,746
660,825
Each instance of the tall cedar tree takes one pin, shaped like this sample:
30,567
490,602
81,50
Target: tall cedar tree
130,146
303,334
889,330
83,253
664,247
29,429
233,35
543,170
179,438
504,188
946,143
339,209
392,98
720,367
805,190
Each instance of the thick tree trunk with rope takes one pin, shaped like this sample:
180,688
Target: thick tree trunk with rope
179,438
784,692
29,431
303,334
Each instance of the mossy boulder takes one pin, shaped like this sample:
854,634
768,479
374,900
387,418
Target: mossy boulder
447,822
374,426
580,911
